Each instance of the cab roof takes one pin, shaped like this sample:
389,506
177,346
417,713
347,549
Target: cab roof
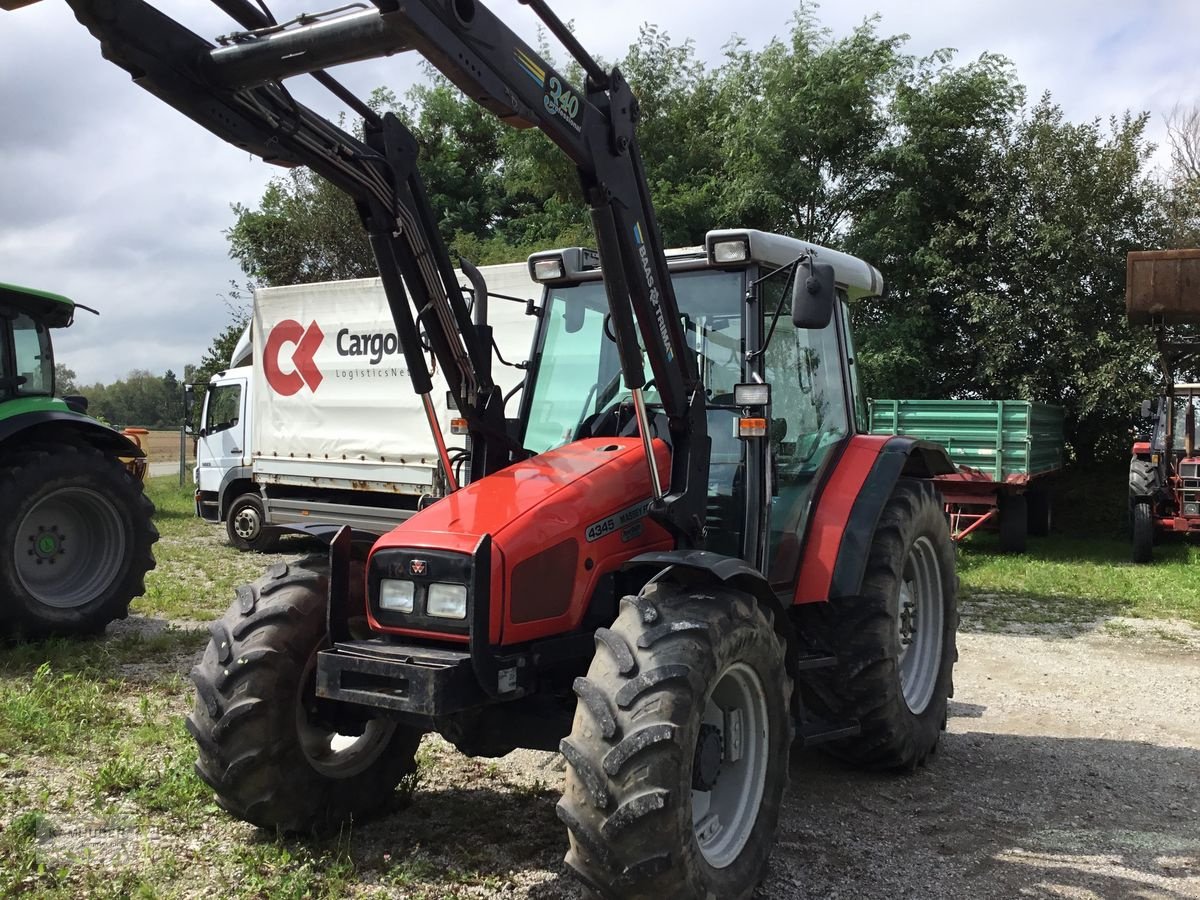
55,310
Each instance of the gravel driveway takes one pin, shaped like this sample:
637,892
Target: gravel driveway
1071,768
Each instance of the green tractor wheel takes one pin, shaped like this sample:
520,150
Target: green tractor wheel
78,534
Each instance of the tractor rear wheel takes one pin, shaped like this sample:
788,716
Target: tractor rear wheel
1143,532
677,759
263,749
76,534
1143,479
896,642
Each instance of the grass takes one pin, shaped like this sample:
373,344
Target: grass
197,569
1082,573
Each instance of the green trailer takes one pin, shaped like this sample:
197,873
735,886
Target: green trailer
1004,450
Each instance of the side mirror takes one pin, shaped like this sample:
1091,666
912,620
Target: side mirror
813,293
573,317
1147,409
189,399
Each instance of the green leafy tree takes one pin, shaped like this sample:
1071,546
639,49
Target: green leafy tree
64,380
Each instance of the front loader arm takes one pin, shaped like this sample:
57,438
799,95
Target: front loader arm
236,91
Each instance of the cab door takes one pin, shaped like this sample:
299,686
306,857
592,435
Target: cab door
222,433
811,416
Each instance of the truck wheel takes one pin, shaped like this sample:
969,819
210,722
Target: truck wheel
896,642
1143,533
1040,506
245,524
1014,522
264,752
678,755
78,531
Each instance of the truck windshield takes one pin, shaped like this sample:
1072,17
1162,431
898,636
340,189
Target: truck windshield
578,378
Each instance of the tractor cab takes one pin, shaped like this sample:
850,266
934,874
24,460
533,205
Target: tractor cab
778,398
26,355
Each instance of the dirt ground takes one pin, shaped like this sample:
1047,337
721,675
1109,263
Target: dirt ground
1071,768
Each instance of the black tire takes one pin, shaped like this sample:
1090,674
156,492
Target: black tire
1040,505
76,534
244,524
261,751
635,747
1013,510
1143,532
1143,479
869,684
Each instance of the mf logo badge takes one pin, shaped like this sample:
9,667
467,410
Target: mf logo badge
303,369
417,567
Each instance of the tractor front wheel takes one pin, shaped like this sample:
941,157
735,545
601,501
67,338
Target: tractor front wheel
1143,533
264,749
76,533
677,759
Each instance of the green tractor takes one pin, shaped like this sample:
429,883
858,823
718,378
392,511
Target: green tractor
75,527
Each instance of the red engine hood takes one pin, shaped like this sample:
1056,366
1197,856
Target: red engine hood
590,495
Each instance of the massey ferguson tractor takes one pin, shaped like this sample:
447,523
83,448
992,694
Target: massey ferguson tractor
671,577
1163,291
75,528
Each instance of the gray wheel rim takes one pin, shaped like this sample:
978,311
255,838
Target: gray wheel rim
332,754
724,816
919,625
70,547
247,523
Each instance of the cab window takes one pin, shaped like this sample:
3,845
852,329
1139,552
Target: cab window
34,360
224,408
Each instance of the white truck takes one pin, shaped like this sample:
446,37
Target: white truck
313,421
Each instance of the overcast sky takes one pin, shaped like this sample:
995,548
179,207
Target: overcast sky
110,197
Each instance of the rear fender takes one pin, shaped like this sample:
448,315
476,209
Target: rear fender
57,426
840,573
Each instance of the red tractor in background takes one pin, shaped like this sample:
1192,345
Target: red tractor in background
1163,291
671,579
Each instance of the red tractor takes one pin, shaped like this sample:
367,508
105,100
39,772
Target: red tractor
669,578
1163,290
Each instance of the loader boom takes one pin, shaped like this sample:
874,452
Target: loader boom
235,90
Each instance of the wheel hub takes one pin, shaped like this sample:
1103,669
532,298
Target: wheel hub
919,623
70,547
246,524
706,766
46,544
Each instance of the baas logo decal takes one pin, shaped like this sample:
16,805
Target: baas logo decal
306,342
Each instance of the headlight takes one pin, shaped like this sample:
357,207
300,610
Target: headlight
396,595
447,601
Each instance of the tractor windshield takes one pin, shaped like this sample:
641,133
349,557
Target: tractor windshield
577,383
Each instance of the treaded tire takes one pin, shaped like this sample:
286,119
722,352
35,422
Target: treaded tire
65,488
628,798
1143,532
1013,510
266,538
1143,479
254,688
1040,505
863,632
